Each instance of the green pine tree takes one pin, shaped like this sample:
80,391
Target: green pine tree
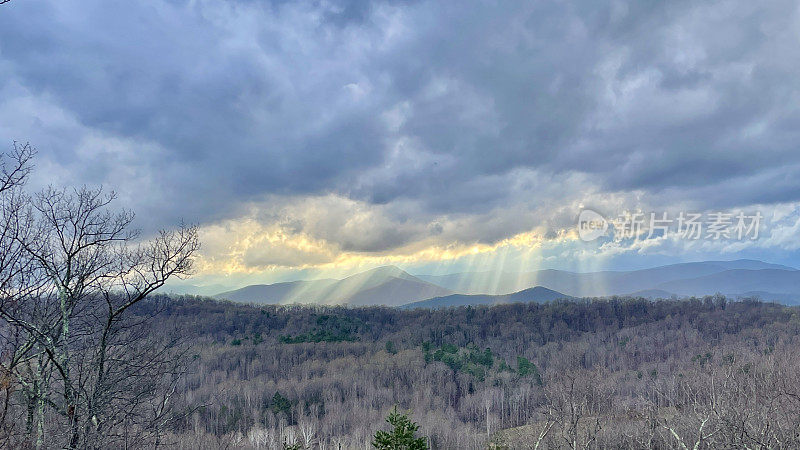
526,368
280,404
402,436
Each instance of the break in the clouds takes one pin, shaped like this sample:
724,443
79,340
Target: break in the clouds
308,133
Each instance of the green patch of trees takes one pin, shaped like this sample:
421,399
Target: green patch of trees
478,363
469,360
329,328
317,336
526,368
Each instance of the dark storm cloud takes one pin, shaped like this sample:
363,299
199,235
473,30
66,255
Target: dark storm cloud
440,103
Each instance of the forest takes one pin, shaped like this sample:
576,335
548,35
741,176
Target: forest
596,373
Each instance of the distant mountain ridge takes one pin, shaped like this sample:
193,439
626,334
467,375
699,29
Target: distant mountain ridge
393,286
537,294
388,285
605,283
739,281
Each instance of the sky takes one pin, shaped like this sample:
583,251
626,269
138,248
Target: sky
321,138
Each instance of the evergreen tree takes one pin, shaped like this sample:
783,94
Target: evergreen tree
526,368
280,404
402,436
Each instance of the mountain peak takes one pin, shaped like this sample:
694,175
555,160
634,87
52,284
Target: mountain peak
387,270
381,273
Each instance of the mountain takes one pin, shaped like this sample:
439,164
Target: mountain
285,292
180,287
393,286
786,299
653,294
769,284
387,285
593,284
750,264
536,294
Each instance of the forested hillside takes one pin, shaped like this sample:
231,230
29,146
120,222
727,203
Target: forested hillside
617,372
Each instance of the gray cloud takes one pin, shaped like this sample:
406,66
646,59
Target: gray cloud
197,109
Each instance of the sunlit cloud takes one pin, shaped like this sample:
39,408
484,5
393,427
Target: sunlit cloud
310,139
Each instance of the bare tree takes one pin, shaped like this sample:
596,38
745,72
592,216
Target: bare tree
570,403
308,431
71,270
16,283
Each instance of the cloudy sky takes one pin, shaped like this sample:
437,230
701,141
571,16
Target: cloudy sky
332,136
